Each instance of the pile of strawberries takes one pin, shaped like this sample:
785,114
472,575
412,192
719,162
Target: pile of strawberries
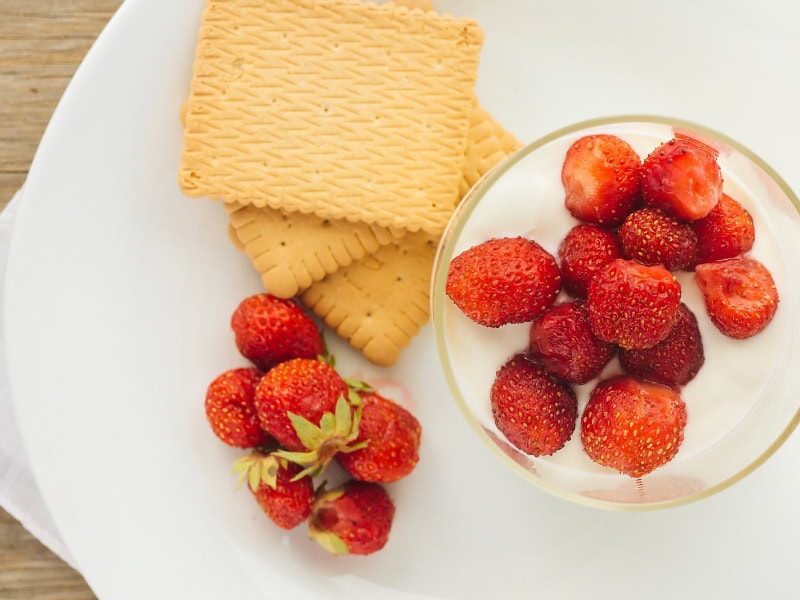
611,291
298,415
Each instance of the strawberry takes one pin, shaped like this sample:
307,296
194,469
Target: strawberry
726,232
602,179
534,412
301,387
392,438
355,518
562,341
633,305
653,238
582,252
739,294
676,360
231,410
270,330
682,178
633,426
503,280
283,497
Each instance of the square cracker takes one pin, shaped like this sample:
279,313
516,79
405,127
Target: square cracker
378,304
333,107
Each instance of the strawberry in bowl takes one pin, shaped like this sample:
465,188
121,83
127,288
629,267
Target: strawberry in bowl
635,385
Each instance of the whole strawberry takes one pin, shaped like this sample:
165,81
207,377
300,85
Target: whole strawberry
676,360
355,518
653,238
740,295
633,305
562,341
270,330
503,280
534,412
231,410
301,387
584,251
633,426
284,498
391,436
682,178
602,179
726,232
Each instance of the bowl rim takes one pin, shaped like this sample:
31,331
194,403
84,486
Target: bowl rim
438,298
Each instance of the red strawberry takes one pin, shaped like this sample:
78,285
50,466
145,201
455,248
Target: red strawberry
682,178
353,519
534,412
633,305
231,410
633,426
285,499
726,232
582,252
562,341
503,280
602,179
304,387
392,438
739,294
653,238
270,330
674,361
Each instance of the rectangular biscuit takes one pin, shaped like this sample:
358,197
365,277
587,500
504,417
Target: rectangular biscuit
331,107
378,304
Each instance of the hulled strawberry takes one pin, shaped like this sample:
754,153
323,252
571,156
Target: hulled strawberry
726,232
231,409
503,280
284,498
653,238
390,436
562,341
676,360
633,426
682,178
583,251
740,295
534,412
355,518
602,179
301,387
270,330
633,305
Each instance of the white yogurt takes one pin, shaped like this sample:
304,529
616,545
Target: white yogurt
738,375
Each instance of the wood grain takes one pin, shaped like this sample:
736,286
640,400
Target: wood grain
41,44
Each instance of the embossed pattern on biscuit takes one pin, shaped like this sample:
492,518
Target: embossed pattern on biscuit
378,304
333,107
291,251
488,143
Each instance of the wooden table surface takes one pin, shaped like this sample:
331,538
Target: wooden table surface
41,44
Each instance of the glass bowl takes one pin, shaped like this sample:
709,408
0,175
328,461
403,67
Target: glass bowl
742,405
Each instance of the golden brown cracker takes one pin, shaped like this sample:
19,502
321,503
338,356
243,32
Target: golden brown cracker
379,303
488,143
291,251
333,107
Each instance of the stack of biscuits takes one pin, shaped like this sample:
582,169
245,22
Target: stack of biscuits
339,136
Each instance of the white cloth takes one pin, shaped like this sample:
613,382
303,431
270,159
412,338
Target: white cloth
19,494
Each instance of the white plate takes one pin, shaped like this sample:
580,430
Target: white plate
119,292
